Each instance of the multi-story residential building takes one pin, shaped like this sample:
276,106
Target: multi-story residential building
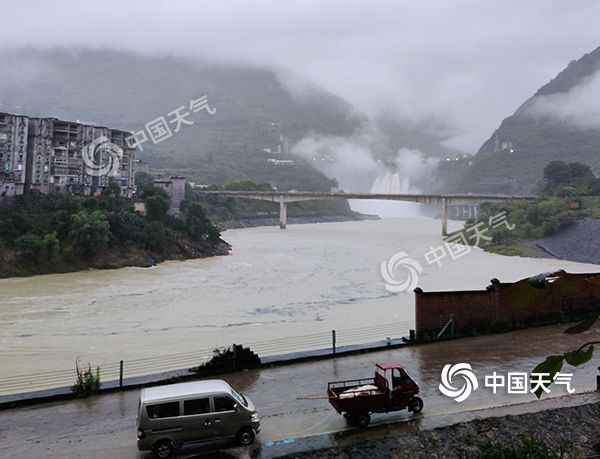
14,132
47,155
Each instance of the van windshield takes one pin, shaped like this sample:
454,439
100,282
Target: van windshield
239,398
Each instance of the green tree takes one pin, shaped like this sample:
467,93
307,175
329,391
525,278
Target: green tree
112,189
247,185
111,198
157,207
558,175
157,237
29,245
52,245
90,232
199,227
126,226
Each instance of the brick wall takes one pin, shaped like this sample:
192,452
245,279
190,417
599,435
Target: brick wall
507,305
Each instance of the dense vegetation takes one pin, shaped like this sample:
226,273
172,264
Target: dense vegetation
232,358
569,192
44,233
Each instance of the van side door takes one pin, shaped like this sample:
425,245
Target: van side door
229,418
163,420
197,420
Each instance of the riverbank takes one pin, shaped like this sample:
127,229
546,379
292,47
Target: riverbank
252,222
114,257
12,264
60,233
573,430
578,242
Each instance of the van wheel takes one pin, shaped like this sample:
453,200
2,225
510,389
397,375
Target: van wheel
163,449
245,437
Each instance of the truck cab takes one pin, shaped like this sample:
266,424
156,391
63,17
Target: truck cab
391,389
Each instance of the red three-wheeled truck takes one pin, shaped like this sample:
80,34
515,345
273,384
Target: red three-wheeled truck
390,390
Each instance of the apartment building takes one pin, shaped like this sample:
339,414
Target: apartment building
14,133
47,155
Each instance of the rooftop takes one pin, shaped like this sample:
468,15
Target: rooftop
184,389
389,365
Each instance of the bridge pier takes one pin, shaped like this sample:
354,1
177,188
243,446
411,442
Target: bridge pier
444,217
296,196
282,213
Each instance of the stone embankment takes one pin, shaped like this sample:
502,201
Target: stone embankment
579,242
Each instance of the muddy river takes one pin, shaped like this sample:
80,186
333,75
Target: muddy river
275,284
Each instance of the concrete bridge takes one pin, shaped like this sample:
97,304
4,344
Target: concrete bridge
285,197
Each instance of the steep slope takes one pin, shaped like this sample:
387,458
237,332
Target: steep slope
127,91
560,122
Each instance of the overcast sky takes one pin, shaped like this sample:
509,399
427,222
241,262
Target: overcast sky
467,62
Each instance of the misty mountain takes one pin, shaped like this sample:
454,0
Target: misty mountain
253,106
561,121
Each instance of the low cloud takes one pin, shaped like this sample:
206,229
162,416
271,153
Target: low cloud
466,63
349,160
352,162
580,107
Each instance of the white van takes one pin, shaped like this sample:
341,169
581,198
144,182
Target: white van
192,412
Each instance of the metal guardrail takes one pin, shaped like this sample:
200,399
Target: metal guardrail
21,383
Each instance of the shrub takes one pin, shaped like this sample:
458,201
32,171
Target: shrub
236,357
157,207
87,381
199,227
157,237
30,245
90,232
126,226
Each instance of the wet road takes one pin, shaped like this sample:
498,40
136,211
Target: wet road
288,398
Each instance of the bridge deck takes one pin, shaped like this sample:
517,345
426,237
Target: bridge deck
275,195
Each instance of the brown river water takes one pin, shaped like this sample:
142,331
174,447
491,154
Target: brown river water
275,284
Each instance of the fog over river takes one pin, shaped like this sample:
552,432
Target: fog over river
310,278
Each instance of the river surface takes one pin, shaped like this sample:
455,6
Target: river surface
275,284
